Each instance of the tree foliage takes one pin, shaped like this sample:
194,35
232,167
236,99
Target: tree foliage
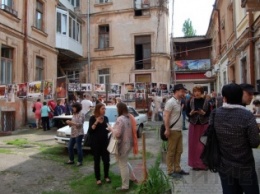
188,29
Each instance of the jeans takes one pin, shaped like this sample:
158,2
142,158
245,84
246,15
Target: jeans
244,184
45,123
78,141
101,152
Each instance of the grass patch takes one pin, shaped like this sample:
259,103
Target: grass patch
149,155
53,192
88,185
18,142
5,151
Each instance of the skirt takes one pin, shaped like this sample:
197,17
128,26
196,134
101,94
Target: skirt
195,146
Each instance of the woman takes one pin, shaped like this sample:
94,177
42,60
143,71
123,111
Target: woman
237,133
99,140
125,131
45,116
37,113
77,133
198,111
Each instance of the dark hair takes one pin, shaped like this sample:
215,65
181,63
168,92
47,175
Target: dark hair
38,100
256,102
78,107
121,109
233,93
97,109
44,103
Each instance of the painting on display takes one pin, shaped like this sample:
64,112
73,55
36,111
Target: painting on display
188,65
86,87
140,86
129,87
74,87
115,89
2,91
10,90
48,89
61,87
163,88
34,89
100,88
130,96
22,90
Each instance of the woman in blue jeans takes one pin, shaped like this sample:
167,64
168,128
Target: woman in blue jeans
77,133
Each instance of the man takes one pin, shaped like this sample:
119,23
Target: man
86,104
248,93
172,113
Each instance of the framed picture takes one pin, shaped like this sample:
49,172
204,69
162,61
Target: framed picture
22,90
61,87
86,87
48,89
34,89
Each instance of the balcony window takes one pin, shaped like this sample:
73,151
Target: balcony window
61,23
141,7
104,76
8,6
75,3
103,1
73,76
143,52
39,15
103,37
75,29
6,65
39,68
8,3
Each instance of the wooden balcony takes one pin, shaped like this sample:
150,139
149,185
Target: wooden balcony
251,5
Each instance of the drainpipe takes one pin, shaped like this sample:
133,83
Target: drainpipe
88,36
251,48
219,30
25,56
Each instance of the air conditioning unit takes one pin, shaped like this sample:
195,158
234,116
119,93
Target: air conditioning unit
9,10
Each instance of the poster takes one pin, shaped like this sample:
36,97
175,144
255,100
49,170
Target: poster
74,87
2,91
22,90
86,87
130,87
115,89
10,93
34,89
130,96
140,86
48,89
61,87
100,88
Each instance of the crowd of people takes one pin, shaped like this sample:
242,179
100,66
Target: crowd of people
236,130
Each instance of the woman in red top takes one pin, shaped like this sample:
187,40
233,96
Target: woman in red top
37,113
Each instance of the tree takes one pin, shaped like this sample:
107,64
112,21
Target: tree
188,29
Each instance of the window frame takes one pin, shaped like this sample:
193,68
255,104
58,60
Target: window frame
145,63
105,75
39,68
41,13
104,36
6,77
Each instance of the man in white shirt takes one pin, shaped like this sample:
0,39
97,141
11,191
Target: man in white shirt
172,114
86,104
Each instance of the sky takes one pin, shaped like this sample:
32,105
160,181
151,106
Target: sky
199,12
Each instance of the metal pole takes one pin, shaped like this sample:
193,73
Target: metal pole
88,31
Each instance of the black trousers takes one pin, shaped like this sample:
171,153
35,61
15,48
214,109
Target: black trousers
45,123
100,152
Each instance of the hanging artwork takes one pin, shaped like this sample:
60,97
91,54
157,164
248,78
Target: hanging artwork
74,87
140,86
86,87
34,89
129,87
48,89
2,91
22,90
10,93
115,89
100,87
61,87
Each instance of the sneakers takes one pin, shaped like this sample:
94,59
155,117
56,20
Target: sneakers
178,174
182,172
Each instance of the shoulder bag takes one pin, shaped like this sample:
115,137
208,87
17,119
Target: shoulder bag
112,147
163,129
210,155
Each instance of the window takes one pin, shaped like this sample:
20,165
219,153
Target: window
75,29
244,70
39,68
103,76
103,1
141,7
72,75
143,52
39,15
6,66
103,37
61,23
8,6
75,3
8,3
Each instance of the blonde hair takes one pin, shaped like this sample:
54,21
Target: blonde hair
199,89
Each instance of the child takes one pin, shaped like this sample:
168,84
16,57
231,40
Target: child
45,116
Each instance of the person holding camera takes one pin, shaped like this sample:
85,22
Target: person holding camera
198,111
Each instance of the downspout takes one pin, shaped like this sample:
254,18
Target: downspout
88,31
251,48
25,56
219,32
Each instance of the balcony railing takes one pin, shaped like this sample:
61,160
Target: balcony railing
9,10
103,1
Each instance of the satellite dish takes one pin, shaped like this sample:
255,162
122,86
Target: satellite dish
208,74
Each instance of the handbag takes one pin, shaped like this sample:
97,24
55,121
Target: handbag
210,155
33,109
87,140
163,129
112,147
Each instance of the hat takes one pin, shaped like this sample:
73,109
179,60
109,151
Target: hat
249,88
178,87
